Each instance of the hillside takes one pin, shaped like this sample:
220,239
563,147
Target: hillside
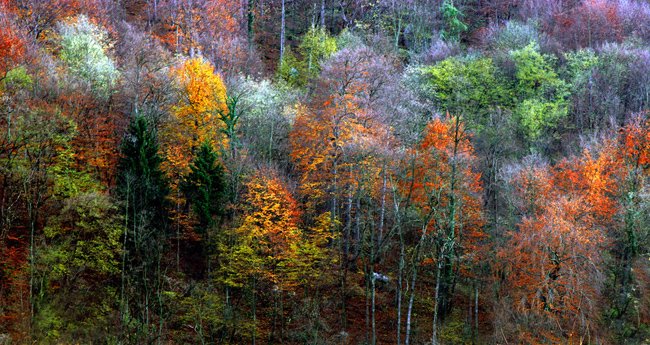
324,172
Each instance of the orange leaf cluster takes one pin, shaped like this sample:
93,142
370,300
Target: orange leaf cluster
553,257
446,190
12,46
636,142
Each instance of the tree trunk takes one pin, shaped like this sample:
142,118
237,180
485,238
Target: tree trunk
254,311
410,307
122,278
32,263
368,276
322,14
434,333
250,18
373,306
476,313
282,32
400,274
382,214
159,295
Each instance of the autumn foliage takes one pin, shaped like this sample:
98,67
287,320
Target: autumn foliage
553,257
324,172
12,45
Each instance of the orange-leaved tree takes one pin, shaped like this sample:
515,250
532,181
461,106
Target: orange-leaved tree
339,129
336,145
445,192
210,27
553,260
630,309
12,46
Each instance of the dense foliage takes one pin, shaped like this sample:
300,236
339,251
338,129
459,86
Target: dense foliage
324,172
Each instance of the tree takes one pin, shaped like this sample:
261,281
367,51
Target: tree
32,145
445,193
143,188
631,238
40,16
541,92
147,87
469,86
557,250
265,120
335,145
91,80
264,253
78,267
12,46
453,25
195,120
315,48
205,186
83,49
208,28
587,24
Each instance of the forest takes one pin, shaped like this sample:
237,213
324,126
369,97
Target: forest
355,172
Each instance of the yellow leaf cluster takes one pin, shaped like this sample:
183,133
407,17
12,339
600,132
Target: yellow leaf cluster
196,117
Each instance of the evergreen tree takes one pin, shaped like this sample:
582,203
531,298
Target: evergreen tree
141,182
205,186
143,189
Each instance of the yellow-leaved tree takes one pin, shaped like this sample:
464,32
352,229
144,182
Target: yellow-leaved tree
270,255
269,232
196,117
195,120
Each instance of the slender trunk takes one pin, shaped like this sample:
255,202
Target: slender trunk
434,334
282,28
126,235
254,312
178,37
33,204
397,21
475,313
275,317
402,252
409,312
382,212
343,16
373,305
368,277
348,226
357,228
32,264
400,274
227,314
178,231
159,295
316,307
271,137
322,14
470,316
250,18
146,300
344,278
281,319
